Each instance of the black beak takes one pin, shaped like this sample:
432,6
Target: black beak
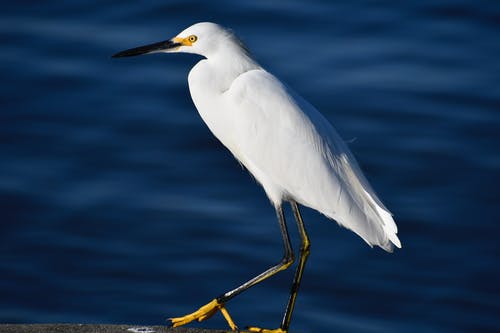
151,48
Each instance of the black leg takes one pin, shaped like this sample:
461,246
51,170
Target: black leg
283,264
304,254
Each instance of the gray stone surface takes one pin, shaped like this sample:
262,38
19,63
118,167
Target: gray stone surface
91,328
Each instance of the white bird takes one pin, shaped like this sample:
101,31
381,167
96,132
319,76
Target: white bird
284,142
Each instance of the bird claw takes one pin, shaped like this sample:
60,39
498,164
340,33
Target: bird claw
203,313
265,330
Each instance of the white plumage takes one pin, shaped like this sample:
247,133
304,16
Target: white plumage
285,143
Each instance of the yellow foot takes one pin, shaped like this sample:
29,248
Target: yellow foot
265,330
205,312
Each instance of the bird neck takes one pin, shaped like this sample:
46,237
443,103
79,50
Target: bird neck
228,65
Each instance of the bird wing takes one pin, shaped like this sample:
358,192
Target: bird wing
295,153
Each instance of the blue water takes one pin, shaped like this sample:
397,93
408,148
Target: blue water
118,206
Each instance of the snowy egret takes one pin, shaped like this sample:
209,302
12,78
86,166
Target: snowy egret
284,142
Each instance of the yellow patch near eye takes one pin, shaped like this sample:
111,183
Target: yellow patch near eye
188,41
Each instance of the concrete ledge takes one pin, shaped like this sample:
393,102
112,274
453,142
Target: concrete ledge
91,328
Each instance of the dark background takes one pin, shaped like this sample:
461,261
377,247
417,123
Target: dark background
118,206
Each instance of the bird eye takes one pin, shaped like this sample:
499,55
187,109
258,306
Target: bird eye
192,38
